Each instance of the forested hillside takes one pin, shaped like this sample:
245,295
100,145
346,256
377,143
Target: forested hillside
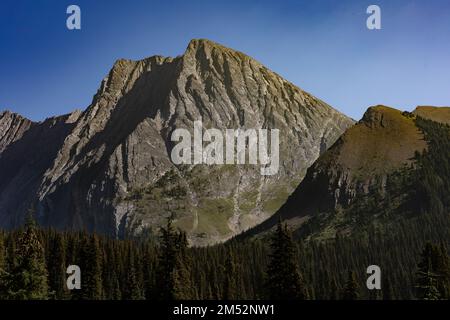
33,265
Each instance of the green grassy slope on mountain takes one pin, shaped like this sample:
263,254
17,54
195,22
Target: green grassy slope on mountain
382,141
438,114
390,167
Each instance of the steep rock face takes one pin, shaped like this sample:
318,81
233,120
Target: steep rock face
12,128
109,169
23,164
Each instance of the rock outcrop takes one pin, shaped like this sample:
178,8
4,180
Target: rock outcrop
12,128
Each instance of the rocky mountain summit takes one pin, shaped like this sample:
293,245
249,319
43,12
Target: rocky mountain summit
108,168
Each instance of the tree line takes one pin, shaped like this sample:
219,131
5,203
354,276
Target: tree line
33,265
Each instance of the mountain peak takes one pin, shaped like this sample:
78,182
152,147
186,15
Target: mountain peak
201,48
197,43
381,116
385,138
117,153
12,128
9,113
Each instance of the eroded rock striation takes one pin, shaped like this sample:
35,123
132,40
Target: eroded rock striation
108,169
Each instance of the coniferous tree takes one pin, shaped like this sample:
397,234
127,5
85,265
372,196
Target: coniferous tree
28,278
2,253
351,287
284,280
183,287
11,258
116,292
91,269
57,267
173,268
108,266
131,290
334,294
149,274
388,293
426,282
230,285
215,292
167,263
139,269
3,274
442,269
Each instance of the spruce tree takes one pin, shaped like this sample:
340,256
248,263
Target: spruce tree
3,273
28,279
284,280
2,253
116,293
351,287
333,294
173,270
57,267
230,285
166,263
388,293
426,280
442,269
91,269
149,274
183,287
11,258
131,290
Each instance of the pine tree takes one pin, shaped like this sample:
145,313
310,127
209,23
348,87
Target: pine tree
173,270
183,288
284,280
166,263
131,290
11,258
3,274
91,269
426,282
230,285
57,267
149,274
442,269
388,293
333,295
117,293
351,287
2,253
28,279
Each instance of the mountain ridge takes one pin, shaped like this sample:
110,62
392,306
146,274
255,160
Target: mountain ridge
367,171
107,169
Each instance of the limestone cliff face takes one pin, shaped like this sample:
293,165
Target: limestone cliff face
108,169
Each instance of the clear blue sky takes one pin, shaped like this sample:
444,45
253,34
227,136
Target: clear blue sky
322,46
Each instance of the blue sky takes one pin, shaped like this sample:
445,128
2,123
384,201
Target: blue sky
322,46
